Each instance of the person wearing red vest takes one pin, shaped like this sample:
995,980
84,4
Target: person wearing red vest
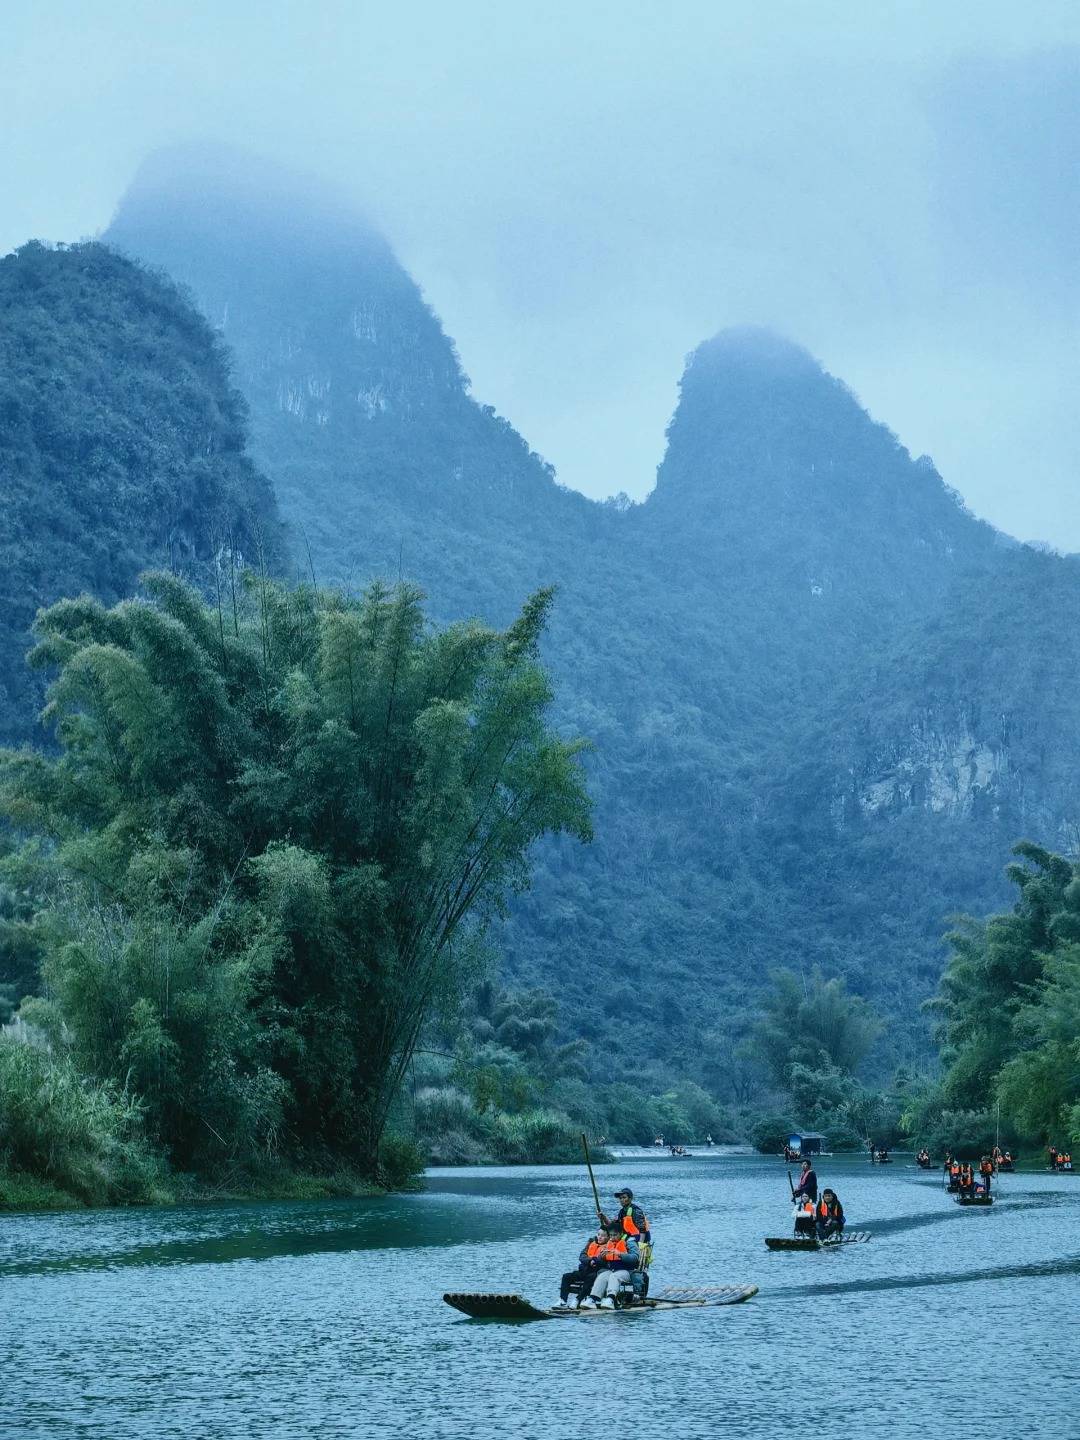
807,1182
617,1259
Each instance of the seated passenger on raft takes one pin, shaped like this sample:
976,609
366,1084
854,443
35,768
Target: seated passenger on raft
582,1278
618,1258
829,1215
805,1218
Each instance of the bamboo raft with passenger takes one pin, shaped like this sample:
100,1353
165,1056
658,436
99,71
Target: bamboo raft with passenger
811,1242
611,1278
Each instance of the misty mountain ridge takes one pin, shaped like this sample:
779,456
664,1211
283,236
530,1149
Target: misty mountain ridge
746,647
358,400
780,464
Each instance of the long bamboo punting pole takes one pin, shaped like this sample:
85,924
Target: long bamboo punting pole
592,1177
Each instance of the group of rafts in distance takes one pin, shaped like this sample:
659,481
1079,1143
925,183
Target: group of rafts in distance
612,1273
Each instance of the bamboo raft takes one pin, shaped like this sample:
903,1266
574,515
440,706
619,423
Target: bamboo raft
974,1199
517,1307
807,1242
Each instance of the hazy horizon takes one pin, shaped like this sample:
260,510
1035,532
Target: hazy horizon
584,198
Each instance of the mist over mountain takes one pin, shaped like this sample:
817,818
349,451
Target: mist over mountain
821,692
121,444
358,401
781,467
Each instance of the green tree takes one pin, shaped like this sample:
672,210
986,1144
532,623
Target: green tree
991,968
816,1026
1040,1087
274,825
1009,1006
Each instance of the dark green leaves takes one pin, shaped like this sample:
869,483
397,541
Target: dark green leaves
276,819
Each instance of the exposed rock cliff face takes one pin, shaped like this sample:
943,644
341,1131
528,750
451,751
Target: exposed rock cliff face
945,774
975,713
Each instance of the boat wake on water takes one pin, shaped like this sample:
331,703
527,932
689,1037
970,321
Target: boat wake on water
1037,1270
899,1224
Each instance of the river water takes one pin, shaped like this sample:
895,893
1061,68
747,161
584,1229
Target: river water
326,1320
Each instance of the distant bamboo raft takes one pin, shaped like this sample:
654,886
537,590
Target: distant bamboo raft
809,1242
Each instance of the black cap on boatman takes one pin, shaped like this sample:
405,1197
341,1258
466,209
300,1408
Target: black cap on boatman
620,1194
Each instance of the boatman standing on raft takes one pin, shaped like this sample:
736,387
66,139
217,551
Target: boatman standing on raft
807,1186
629,1218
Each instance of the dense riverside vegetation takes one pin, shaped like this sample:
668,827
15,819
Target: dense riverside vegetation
1009,1019
276,828
122,444
496,1082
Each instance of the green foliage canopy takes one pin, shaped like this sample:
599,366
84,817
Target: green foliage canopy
122,443
275,823
813,1025
1009,1006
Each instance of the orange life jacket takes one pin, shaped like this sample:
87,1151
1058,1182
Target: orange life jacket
825,1211
630,1225
592,1249
954,1169
807,1207
613,1250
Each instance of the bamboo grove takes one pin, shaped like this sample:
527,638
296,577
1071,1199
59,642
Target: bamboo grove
275,827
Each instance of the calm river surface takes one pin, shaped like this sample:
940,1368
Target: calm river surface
326,1319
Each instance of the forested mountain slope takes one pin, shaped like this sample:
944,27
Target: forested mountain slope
794,659
121,444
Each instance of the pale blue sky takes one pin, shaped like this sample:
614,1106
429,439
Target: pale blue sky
587,190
